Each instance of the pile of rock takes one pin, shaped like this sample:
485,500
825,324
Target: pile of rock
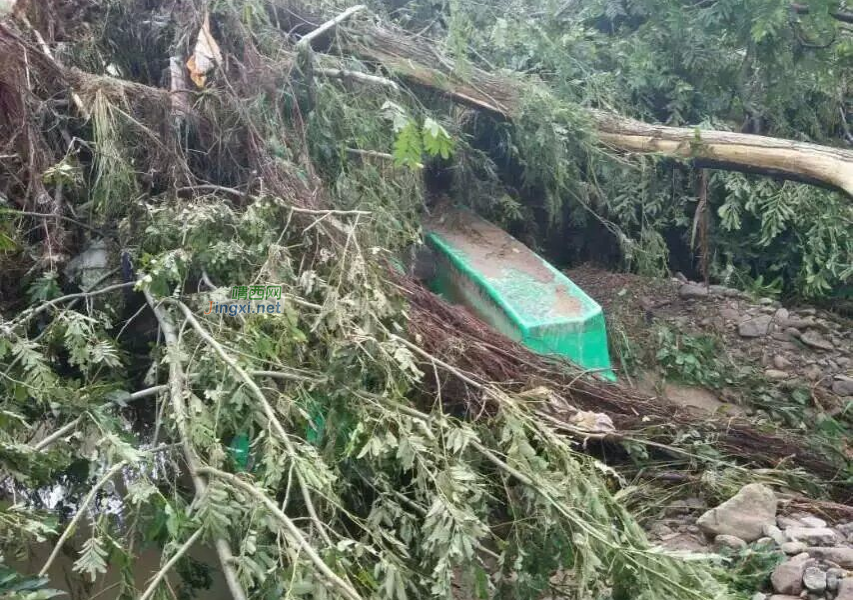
805,344
818,557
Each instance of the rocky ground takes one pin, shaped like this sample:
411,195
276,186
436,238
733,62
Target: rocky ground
790,346
815,558
763,356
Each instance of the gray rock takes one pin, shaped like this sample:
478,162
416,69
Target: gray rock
810,521
781,363
787,578
814,579
840,555
692,290
831,581
792,333
784,521
755,327
743,515
814,339
780,315
776,374
783,597
843,385
833,576
730,314
797,323
773,532
731,542
813,372
659,529
813,536
845,589
792,548
759,596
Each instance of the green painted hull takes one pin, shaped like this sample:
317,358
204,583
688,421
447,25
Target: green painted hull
516,291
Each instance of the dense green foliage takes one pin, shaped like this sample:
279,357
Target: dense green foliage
323,445
743,65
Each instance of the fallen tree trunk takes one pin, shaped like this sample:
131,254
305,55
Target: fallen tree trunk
808,163
417,61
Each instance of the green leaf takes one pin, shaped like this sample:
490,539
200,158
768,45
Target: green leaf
92,558
437,141
408,146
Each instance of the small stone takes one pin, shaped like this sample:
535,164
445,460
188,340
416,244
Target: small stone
765,541
770,530
776,374
783,597
814,536
659,529
814,339
843,385
743,515
781,315
781,363
813,372
730,314
831,582
787,578
810,521
765,301
759,596
692,290
732,542
792,548
814,579
754,327
792,333
784,522
840,555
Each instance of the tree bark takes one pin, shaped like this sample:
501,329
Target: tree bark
809,163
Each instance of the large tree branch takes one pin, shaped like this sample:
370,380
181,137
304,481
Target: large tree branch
418,62
723,149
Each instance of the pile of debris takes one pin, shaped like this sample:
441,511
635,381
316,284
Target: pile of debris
815,558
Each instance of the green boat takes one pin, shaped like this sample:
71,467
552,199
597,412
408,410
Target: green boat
515,290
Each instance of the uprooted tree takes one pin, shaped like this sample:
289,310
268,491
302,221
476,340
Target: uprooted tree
368,441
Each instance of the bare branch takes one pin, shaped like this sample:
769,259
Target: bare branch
309,38
357,76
